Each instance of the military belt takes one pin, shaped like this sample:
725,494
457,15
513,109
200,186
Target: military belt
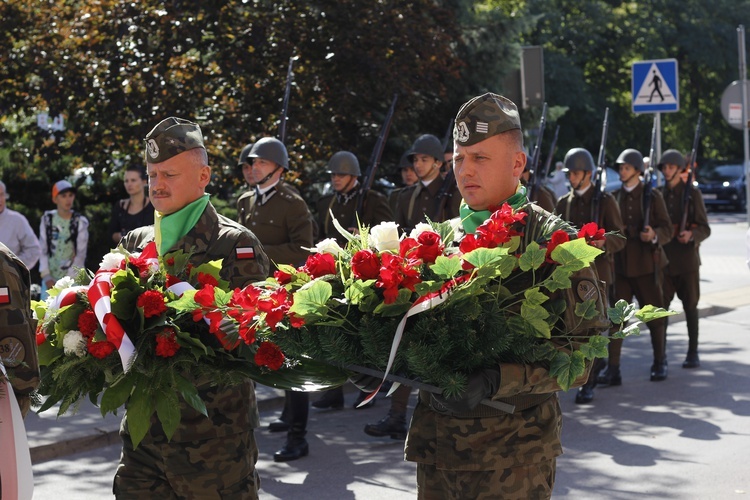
519,403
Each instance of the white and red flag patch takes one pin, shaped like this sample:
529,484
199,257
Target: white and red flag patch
4,295
245,252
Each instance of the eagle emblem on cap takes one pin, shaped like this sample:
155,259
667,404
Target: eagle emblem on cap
152,148
461,132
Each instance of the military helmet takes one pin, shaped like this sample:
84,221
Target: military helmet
271,149
673,157
404,161
344,163
633,157
578,159
427,144
244,154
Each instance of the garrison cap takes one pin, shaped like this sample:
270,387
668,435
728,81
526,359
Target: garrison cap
483,117
171,137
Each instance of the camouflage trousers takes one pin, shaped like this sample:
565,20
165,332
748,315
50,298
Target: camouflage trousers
529,482
221,468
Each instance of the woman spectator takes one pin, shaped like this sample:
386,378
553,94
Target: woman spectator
134,211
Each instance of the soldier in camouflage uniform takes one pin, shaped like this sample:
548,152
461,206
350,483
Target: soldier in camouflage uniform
467,450
17,328
281,220
345,172
578,208
427,198
681,275
214,456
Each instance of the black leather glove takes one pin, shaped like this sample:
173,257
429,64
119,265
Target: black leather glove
366,383
482,384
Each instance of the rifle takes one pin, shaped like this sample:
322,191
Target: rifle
285,102
648,178
535,178
548,160
689,182
377,153
600,161
448,182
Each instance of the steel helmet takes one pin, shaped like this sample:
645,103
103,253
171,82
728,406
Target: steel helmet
673,157
427,144
345,163
632,157
244,154
404,161
271,149
578,159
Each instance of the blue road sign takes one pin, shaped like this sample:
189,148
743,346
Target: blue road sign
655,86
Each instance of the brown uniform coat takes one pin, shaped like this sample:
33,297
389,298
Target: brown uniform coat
684,258
417,203
375,210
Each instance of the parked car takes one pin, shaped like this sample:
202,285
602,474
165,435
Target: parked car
722,185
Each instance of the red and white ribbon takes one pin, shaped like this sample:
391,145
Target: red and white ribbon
99,294
15,459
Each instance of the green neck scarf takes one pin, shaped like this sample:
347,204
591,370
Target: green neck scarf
169,229
472,219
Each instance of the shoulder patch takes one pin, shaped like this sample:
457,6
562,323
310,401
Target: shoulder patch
243,253
4,295
587,290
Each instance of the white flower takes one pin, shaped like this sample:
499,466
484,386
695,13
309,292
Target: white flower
384,237
64,282
420,228
328,245
111,261
73,343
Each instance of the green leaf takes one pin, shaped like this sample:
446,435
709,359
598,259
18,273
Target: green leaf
190,394
213,268
398,307
481,257
48,353
426,287
575,253
628,331
648,313
567,368
621,313
358,291
532,258
140,407
186,302
587,309
310,300
535,297
117,394
445,267
558,280
168,411
596,347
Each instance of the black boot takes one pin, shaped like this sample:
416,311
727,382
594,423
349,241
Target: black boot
586,392
610,377
393,425
659,370
332,398
691,360
296,445
361,397
281,424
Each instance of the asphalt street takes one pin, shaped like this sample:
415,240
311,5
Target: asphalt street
684,438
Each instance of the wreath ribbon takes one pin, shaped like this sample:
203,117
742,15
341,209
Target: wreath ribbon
15,459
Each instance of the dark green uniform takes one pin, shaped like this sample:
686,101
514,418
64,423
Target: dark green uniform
418,203
17,328
210,457
682,273
375,210
491,454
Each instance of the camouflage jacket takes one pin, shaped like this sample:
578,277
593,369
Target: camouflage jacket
375,210
230,409
684,258
489,439
17,326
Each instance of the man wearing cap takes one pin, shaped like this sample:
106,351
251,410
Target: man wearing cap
638,267
681,275
579,207
63,236
281,220
467,450
210,456
432,197
342,203
16,232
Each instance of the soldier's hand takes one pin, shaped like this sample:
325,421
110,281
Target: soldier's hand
482,384
685,236
648,234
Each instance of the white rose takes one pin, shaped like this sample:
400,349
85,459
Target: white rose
384,237
420,228
73,343
111,261
64,282
328,245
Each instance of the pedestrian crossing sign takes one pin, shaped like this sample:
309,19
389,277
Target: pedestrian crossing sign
655,86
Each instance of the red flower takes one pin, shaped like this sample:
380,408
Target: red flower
40,338
282,277
152,302
214,320
591,232
406,246
142,263
243,304
320,264
247,333
558,237
170,261
269,355
365,265
100,349
205,296
87,323
166,343
395,273
430,246
206,279
275,306
296,321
